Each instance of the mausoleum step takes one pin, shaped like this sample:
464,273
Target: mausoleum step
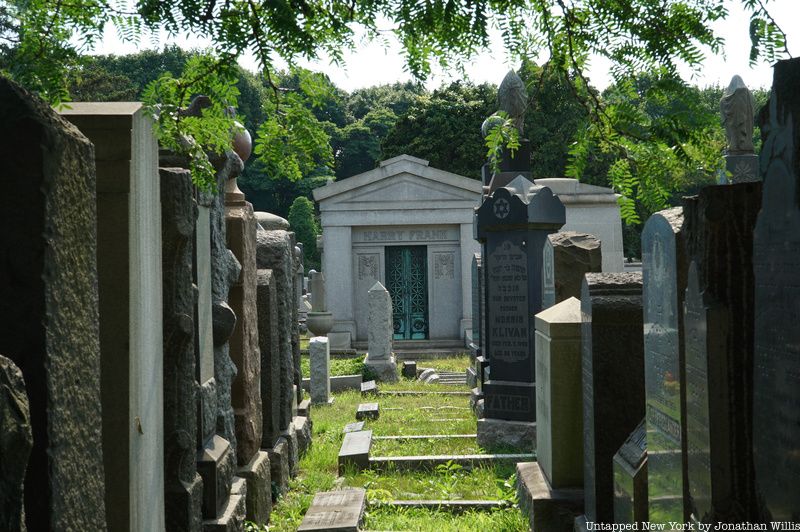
380,463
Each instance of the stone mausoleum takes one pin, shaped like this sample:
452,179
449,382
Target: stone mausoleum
409,226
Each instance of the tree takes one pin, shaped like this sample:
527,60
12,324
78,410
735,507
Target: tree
304,224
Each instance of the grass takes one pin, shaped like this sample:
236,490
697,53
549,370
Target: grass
416,415
339,366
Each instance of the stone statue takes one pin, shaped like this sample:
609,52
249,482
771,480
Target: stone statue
513,98
737,106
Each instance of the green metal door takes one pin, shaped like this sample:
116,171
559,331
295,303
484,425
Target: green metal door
407,283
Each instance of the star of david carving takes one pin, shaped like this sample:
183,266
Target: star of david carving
501,208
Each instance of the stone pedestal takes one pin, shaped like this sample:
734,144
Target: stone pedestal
256,474
559,400
320,358
130,304
548,509
48,306
743,168
613,380
513,223
380,359
494,433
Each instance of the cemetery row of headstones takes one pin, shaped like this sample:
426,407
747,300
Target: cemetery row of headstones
667,395
150,351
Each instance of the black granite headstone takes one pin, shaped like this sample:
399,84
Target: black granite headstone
613,380
719,225
776,261
664,283
513,224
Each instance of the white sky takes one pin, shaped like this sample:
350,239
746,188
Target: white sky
373,64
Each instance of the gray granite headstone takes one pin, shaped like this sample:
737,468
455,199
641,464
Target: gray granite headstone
613,380
339,511
719,225
270,349
512,224
776,255
566,257
664,266
48,307
183,488
380,359
320,361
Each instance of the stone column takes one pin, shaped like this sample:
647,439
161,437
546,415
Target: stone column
776,247
613,381
380,359
240,225
48,312
129,282
664,271
320,357
719,337
183,487
513,223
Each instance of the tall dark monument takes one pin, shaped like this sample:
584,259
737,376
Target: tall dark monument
776,255
512,224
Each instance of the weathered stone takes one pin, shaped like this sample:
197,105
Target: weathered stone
216,465
664,271
231,518
776,385
271,222
304,408
369,388
240,227
48,308
319,352
355,450
279,467
183,489
274,252
270,350
259,488
296,283
293,448
339,511
16,441
409,370
567,256
719,322
494,433
613,380
380,359
353,427
367,411
548,509
559,401
302,427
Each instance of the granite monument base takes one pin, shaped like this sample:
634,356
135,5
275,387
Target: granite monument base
743,167
548,509
256,474
519,435
384,370
232,518
279,468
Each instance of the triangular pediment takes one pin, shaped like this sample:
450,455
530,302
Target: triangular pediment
406,188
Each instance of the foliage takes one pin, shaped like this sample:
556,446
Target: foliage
304,224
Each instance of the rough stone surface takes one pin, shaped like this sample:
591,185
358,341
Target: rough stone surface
367,411
49,310
409,370
274,252
182,486
293,448
548,509
259,487
613,379
240,228
380,360
225,270
520,435
295,287
271,222
16,441
216,464
279,467
320,361
302,427
269,347
231,519
573,255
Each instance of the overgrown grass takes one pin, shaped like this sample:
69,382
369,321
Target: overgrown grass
339,366
417,414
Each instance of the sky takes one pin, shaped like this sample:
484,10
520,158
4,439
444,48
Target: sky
372,63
